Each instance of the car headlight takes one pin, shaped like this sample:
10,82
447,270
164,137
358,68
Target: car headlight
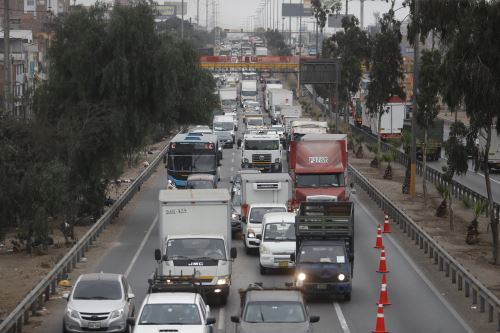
73,313
301,277
264,250
223,280
116,314
341,277
251,234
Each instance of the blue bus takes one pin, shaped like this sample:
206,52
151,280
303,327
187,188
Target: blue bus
190,153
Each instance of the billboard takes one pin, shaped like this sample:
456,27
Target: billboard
295,10
335,20
320,71
179,9
166,10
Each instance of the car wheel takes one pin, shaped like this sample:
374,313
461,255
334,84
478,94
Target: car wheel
263,270
64,330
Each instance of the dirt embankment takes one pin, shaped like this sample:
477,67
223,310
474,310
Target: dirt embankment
20,272
475,258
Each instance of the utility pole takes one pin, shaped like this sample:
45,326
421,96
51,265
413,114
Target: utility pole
416,56
271,3
198,13
6,57
290,27
206,13
361,13
346,8
182,20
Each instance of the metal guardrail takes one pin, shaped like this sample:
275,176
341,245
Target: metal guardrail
434,176
37,297
465,281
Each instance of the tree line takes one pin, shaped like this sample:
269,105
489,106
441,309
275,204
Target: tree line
116,83
460,68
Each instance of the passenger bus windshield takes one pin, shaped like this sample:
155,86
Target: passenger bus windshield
320,180
262,144
223,126
192,163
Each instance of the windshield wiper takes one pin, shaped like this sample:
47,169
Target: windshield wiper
204,258
100,297
177,257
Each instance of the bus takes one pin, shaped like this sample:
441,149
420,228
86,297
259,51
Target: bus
190,153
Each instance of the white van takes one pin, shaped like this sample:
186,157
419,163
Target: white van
251,227
277,241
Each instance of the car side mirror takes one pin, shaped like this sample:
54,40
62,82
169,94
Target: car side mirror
131,321
313,319
65,296
352,185
244,219
131,296
211,320
235,319
158,255
233,253
259,237
292,257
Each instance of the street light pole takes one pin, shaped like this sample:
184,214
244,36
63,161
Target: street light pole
416,56
182,20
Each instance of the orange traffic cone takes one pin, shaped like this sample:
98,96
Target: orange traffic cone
382,266
378,242
380,323
387,226
384,297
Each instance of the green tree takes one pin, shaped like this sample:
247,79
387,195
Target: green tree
322,8
465,28
276,43
427,100
386,67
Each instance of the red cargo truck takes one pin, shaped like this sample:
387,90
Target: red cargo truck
318,168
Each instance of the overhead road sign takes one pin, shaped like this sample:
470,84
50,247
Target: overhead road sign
179,9
252,63
295,10
318,71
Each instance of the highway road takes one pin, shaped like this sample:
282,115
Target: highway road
417,306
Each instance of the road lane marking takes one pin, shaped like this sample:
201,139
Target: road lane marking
232,161
482,175
421,274
340,315
220,320
141,246
232,169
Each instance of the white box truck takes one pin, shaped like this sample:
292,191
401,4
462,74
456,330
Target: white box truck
261,194
224,128
248,91
392,120
494,153
229,98
279,97
195,242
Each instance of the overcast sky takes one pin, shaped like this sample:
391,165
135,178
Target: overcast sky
236,13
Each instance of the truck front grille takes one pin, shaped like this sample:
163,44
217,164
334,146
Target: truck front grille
261,158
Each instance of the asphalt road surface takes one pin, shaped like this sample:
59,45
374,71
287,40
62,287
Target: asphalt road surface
417,306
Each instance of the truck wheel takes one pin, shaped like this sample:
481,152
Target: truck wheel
263,270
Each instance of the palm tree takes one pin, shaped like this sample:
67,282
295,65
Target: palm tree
445,194
388,157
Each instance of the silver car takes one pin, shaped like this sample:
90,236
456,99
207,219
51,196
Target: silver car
99,302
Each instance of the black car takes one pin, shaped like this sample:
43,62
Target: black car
270,310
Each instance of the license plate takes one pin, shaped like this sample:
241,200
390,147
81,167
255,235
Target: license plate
94,325
321,286
283,264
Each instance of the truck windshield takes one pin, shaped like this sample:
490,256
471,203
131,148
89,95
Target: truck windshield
262,144
248,93
255,122
196,248
279,232
170,314
257,213
320,180
274,312
223,126
323,254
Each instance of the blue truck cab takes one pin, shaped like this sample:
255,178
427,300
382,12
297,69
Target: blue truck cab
324,256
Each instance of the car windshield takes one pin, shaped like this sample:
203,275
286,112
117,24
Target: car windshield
279,232
170,314
98,290
257,213
274,312
255,122
320,180
324,254
196,248
262,144
193,184
223,126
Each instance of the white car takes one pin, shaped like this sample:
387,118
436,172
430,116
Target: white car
251,226
277,241
181,312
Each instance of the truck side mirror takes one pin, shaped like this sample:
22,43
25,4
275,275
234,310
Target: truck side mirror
351,257
259,237
131,321
211,321
292,257
235,319
239,143
233,253
157,255
313,319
